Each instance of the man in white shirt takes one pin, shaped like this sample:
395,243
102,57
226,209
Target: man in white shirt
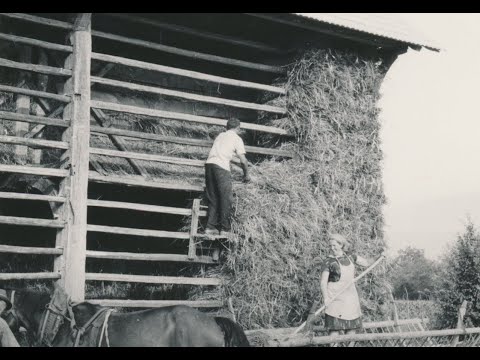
218,178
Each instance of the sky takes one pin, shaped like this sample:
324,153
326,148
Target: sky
430,110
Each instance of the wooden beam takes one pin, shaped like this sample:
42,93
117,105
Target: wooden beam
142,207
140,182
35,42
199,33
41,94
154,279
156,303
32,197
137,232
190,54
42,85
39,128
192,248
182,116
34,143
187,73
41,69
188,96
73,238
184,141
29,250
7,115
147,157
101,118
22,104
23,221
33,170
30,276
148,257
38,20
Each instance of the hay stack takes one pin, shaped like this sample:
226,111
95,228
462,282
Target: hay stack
333,185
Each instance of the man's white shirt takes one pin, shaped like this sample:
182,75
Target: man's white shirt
225,146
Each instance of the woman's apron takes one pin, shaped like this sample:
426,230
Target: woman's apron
345,306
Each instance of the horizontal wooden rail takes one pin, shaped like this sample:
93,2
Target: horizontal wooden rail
30,170
147,157
137,232
153,279
156,303
40,94
141,182
199,33
39,20
34,197
42,69
189,53
23,221
147,257
183,141
142,207
35,42
187,73
7,115
30,250
29,276
35,143
181,116
188,96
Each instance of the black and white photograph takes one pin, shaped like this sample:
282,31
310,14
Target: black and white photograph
262,180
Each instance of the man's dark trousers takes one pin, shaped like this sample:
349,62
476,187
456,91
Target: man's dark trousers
219,196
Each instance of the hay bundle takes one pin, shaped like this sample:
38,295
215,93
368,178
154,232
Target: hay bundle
334,185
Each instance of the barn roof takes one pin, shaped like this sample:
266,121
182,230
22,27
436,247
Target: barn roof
390,26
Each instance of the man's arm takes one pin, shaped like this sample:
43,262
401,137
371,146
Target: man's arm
244,164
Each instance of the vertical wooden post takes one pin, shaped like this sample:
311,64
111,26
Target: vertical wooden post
23,106
192,247
73,237
461,314
42,82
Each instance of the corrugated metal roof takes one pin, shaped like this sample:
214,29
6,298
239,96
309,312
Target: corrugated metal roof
391,26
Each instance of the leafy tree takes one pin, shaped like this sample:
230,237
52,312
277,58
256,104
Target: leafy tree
412,275
461,279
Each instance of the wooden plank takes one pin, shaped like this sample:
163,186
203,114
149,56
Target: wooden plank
182,116
147,157
39,128
35,42
192,248
38,20
101,118
75,188
24,221
137,232
199,33
190,54
184,141
30,276
33,170
35,143
32,197
187,73
42,69
156,303
154,279
148,257
140,182
188,96
142,207
42,94
29,250
7,115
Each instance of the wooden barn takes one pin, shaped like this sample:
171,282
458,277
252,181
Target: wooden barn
106,122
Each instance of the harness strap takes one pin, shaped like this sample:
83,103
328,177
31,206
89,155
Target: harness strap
44,325
82,330
105,329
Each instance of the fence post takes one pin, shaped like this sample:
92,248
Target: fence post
461,314
73,237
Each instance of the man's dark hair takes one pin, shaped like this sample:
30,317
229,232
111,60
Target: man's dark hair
233,123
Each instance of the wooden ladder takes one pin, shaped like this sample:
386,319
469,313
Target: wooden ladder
196,239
